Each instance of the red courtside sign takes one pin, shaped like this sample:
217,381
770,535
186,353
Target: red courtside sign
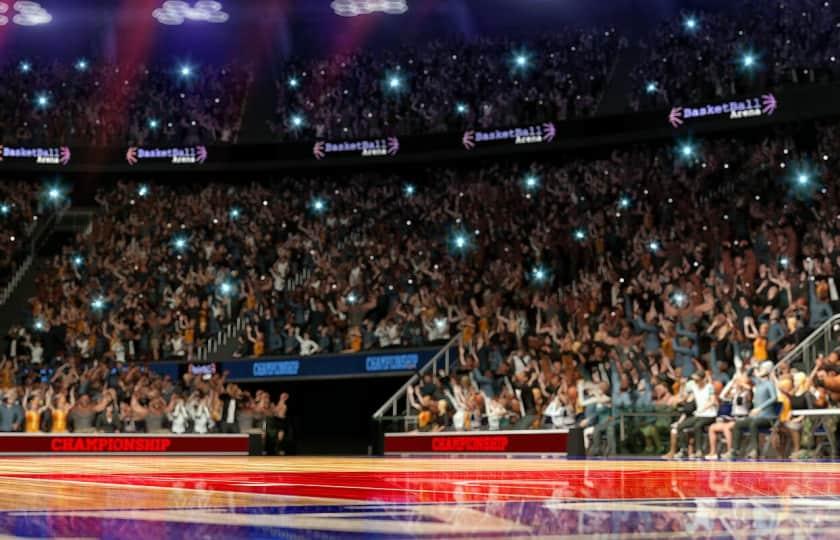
483,442
100,444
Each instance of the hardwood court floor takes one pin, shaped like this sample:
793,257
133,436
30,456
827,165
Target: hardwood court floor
182,497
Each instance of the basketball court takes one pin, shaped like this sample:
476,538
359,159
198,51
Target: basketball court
253,497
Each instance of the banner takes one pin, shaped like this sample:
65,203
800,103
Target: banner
765,105
188,155
365,148
101,444
539,133
338,365
59,155
478,442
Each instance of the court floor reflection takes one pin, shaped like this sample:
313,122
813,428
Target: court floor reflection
504,498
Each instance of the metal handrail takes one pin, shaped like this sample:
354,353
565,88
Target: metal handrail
443,354
34,240
821,333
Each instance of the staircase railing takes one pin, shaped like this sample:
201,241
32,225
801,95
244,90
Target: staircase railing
38,234
819,342
229,330
443,358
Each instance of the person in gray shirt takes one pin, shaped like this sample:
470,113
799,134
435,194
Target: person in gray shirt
11,413
761,416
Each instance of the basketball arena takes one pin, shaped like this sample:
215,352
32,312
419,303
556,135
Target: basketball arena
419,269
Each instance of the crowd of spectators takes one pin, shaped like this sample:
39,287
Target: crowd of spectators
755,44
578,283
671,275
89,103
446,85
80,396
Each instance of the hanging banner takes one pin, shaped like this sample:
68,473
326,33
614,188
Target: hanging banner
57,155
188,155
765,105
366,148
539,133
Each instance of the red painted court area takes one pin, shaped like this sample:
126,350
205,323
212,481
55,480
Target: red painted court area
490,486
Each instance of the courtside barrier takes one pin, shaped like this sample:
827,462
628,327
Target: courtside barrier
100,444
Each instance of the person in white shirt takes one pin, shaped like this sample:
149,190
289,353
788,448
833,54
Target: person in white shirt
199,413
307,346
703,394
561,414
179,416
36,353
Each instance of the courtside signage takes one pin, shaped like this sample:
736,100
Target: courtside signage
483,442
102,444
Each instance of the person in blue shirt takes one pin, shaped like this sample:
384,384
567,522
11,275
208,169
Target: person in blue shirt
762,415
818,311
687,349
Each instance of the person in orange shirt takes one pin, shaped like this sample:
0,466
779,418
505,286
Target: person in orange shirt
34,409
60,410
759,338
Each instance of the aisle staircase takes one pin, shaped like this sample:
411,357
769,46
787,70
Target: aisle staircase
614,100
821,341
397,407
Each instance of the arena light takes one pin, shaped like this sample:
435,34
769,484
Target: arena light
690,23
803,178
25,67
539,274
54,194
177,12
185,71
521,60
81,64
531,182
318,205
297,121
679,299
179,243
394,83
26,13
42,100
748,60
354,8
460,241
226,288
98,303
